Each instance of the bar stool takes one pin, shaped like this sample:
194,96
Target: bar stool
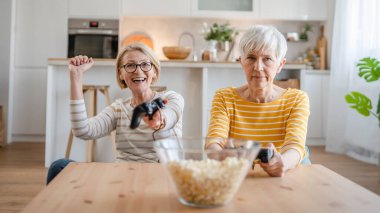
92,90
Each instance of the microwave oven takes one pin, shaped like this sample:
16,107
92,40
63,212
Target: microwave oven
94,38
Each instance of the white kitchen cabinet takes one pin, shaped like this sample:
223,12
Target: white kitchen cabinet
229,9
102,9
40,32
156,8
245,9
293,10
316,84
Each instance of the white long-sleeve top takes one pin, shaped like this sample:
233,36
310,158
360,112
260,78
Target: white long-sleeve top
131,144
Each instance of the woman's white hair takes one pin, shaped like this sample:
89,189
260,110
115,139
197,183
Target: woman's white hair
261,38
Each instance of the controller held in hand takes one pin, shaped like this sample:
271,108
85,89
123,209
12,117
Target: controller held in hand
265,155
146,109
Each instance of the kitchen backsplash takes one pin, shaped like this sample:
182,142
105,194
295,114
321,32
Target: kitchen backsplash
165,31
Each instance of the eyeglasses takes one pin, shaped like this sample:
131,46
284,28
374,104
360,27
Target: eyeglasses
144,66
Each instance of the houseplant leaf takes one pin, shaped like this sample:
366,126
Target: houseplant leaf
360,102
369,68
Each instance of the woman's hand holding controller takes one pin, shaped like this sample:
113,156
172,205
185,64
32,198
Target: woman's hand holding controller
275,167
157,122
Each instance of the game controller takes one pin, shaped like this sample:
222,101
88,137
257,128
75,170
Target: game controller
265,155
146,109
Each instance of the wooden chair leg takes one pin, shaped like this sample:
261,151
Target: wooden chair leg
89,149
113,133
107,95
69,144
113,141
92,109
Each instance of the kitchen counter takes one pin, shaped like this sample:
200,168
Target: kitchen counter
180,63
195,81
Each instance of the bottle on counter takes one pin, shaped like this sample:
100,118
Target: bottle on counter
322,49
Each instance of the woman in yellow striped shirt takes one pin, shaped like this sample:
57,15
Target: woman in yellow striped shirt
260,110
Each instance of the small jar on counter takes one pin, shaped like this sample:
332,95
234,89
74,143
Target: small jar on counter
211,53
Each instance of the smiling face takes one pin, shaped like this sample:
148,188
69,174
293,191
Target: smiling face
138,81
261,68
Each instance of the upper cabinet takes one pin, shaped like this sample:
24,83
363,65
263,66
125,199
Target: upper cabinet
225,8
109,9
156,8
313,10
39,34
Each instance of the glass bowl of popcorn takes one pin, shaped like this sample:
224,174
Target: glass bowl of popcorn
206,178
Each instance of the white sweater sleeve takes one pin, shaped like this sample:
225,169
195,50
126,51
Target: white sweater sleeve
91,128
173,110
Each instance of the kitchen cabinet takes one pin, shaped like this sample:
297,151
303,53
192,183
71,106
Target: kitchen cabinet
293,10
156,8
101,9
316,84
232,9
39,34
225,8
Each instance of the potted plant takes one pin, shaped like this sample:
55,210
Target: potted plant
369,69
219,36
305,30
219,33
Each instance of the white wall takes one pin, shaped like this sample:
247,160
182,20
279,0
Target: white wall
5,57
329,28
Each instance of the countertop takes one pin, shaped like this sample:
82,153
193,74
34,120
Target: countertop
179,63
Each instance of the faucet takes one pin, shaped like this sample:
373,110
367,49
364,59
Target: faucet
194,56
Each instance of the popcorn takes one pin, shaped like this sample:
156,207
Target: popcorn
208,182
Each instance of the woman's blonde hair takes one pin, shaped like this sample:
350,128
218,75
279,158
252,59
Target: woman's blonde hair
145,50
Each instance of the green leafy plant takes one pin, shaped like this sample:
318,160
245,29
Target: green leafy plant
304,32
218,32
369,69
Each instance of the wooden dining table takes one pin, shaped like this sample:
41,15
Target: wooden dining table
146,187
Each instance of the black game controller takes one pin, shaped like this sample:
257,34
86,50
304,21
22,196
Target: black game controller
265,155
146,109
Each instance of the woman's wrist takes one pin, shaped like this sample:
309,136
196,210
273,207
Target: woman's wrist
163,120
76,89
76,75
290,159
163,123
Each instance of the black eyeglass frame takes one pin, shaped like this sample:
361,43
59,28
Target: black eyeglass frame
137,65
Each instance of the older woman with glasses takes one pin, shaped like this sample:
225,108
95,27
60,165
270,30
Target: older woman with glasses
137,68
260,110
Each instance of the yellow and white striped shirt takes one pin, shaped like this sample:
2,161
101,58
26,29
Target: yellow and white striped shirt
282,122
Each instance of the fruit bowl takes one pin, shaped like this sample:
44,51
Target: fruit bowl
176,52
206,178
